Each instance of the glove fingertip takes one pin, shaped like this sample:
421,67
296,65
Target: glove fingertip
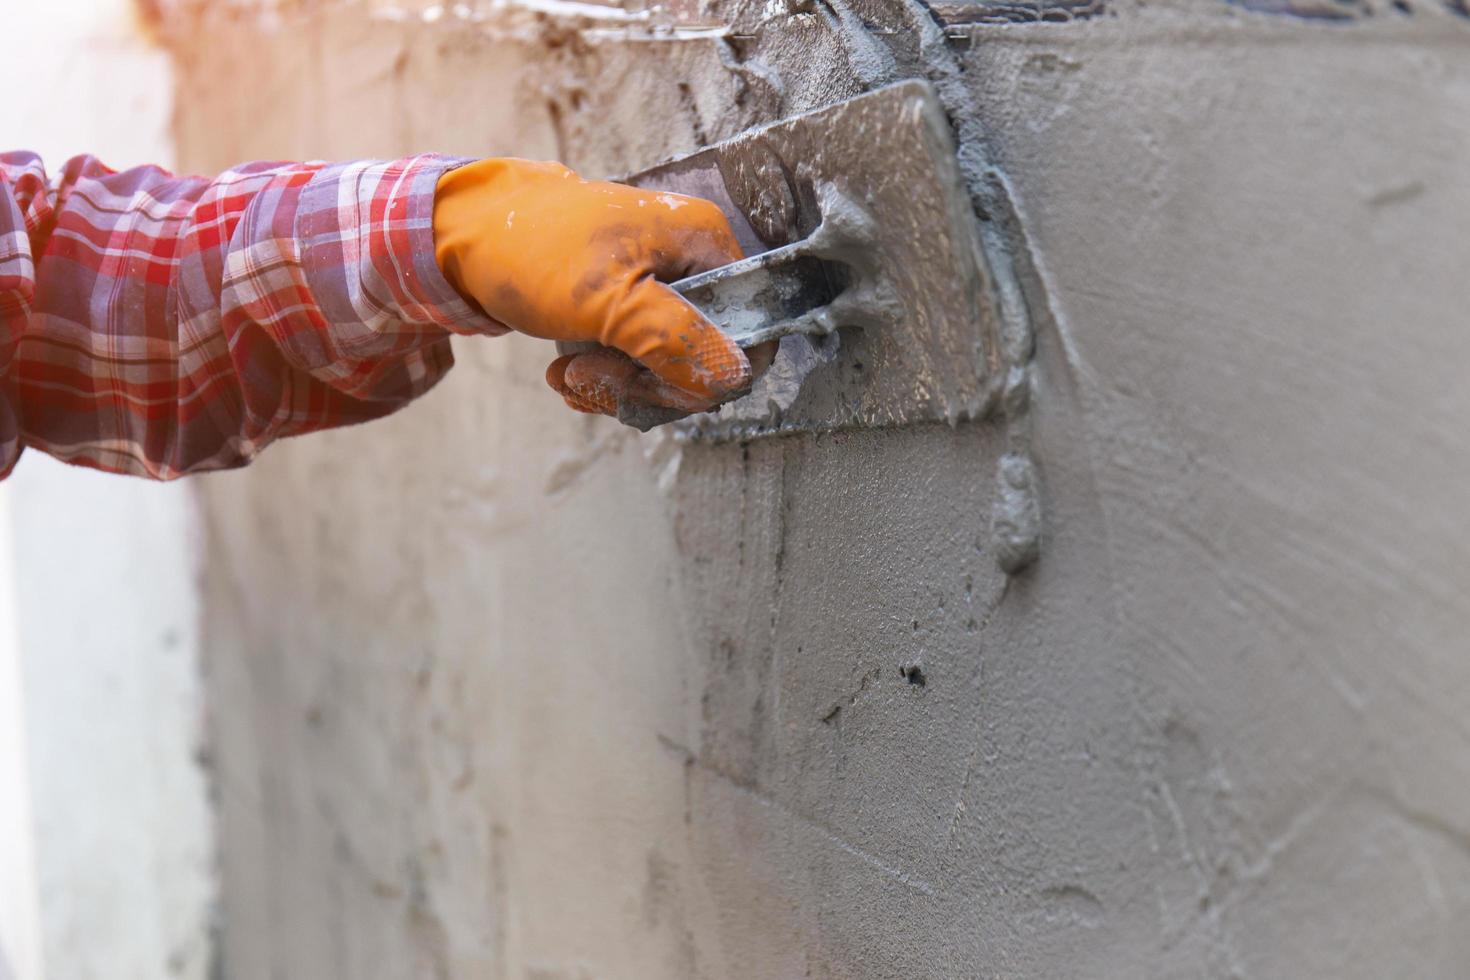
556,379
669,336
718,364
556,372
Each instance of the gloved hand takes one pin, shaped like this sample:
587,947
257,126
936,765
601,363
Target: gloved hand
551,255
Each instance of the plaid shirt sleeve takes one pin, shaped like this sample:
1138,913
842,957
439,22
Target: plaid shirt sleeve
160,325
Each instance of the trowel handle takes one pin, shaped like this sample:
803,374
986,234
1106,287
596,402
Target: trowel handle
763,297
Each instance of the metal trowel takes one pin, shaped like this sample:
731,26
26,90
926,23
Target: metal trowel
863,259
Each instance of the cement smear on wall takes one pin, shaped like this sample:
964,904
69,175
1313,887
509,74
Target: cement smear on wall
505,692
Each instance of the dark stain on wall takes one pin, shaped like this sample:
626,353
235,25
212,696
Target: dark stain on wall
1308,9
1014,11
1346,10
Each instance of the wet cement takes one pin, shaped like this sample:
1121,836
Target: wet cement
615,705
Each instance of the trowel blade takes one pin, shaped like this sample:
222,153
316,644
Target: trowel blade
859,212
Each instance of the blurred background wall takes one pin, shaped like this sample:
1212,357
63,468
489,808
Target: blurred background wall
102,799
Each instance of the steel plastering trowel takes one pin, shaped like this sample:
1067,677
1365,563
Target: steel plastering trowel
864,259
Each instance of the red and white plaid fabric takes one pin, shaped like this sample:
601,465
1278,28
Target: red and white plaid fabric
161,325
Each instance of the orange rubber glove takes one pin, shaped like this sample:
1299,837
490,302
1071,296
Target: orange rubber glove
551,255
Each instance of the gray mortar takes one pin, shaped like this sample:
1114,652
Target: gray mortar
614,705
1016,524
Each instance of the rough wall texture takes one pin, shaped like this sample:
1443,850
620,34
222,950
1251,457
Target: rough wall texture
504,692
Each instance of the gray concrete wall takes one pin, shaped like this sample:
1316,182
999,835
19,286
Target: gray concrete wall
500,691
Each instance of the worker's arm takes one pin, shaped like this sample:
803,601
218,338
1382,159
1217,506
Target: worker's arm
161,325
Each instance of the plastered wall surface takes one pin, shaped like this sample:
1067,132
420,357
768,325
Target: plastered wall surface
500,691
